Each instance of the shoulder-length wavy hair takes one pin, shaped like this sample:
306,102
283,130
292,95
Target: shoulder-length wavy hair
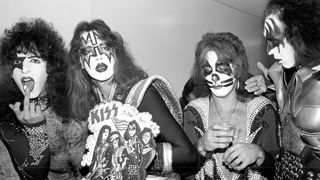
302,27
126,72
229,49
39,37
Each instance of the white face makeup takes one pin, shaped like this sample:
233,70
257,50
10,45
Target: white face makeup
219,76
132,129
96,58
29,71
146,137
277,44
105,135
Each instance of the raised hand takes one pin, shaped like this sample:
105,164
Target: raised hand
256,84
241,155
31,112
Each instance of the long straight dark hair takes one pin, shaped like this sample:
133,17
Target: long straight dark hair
126,72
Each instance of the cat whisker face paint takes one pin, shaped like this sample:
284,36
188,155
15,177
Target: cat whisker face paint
219,75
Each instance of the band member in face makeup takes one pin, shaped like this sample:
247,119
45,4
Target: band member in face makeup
283,52
35,126
101,69
292,31
236,132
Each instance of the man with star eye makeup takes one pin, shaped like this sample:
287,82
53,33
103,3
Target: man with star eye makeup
292,31
107,72
220,122
34,110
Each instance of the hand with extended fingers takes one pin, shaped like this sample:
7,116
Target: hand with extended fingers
241,155
31,112
217,136
256,84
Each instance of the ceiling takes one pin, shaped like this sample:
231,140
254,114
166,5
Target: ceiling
251,7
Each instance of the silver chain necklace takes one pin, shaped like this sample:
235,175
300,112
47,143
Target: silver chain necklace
234,107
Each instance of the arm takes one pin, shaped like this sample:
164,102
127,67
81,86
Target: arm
28,144
184,155
7,169
269,141
217,136
259,154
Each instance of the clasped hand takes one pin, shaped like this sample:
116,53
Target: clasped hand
241,155
31,112
216,137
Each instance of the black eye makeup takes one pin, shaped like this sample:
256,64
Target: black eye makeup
224,68
207,69
18,62
274,36
84,51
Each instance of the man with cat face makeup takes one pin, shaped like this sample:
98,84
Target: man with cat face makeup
236,132
292,32
40,139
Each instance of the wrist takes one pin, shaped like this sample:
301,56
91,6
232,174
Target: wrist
200,147
36,124
261,157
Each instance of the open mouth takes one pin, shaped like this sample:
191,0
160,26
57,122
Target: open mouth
101,67
27,83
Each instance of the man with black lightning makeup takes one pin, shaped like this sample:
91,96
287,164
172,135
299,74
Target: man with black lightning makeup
40,138
292,32
235,131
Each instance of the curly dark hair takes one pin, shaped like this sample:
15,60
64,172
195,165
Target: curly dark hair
38,36
302,27
229,48
126,72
